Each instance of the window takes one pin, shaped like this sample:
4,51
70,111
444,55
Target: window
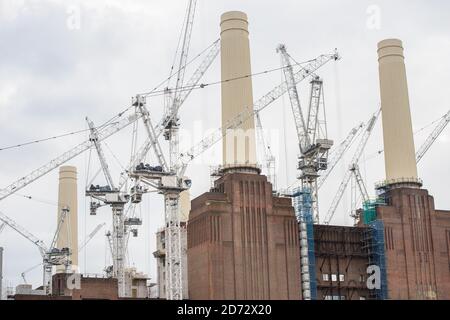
342,297
361,278
341,278
333,277
325,277
328,298
362,298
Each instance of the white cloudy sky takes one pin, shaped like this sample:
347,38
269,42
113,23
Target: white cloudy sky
56,69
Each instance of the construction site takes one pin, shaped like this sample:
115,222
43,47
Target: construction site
245,233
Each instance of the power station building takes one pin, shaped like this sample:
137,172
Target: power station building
401,232
243,242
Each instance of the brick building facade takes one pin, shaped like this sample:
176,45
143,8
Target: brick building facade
341,262
417,239
243,242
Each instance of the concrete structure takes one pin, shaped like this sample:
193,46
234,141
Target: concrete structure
27,289
67,196
239,146
86,287
90,287
185,205
160,255
399,152
243,242
135,284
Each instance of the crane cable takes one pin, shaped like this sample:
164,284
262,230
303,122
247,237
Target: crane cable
65,134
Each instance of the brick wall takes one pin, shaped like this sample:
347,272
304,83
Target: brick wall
243,242
417,245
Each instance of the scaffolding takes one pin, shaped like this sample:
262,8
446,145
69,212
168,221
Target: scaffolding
303,211
369,212
373,239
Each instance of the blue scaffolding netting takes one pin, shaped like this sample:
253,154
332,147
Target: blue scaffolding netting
303,211
375,247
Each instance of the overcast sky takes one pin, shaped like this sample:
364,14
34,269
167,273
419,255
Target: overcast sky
61,61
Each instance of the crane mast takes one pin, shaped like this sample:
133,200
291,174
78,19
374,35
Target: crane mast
312,133
109,195
172,190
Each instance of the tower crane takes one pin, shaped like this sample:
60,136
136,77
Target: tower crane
81,247
251,111
354,168
365,137
51,256
268,157
311,132
433,136
150,141
335,157
357,182
112,196
171,184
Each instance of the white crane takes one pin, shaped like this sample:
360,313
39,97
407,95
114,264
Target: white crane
359,182
81,247
51,256
251,111
165,177
314,146
311,132
366,135
171,185
104,133
334,159
112,196
151,141
433,136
